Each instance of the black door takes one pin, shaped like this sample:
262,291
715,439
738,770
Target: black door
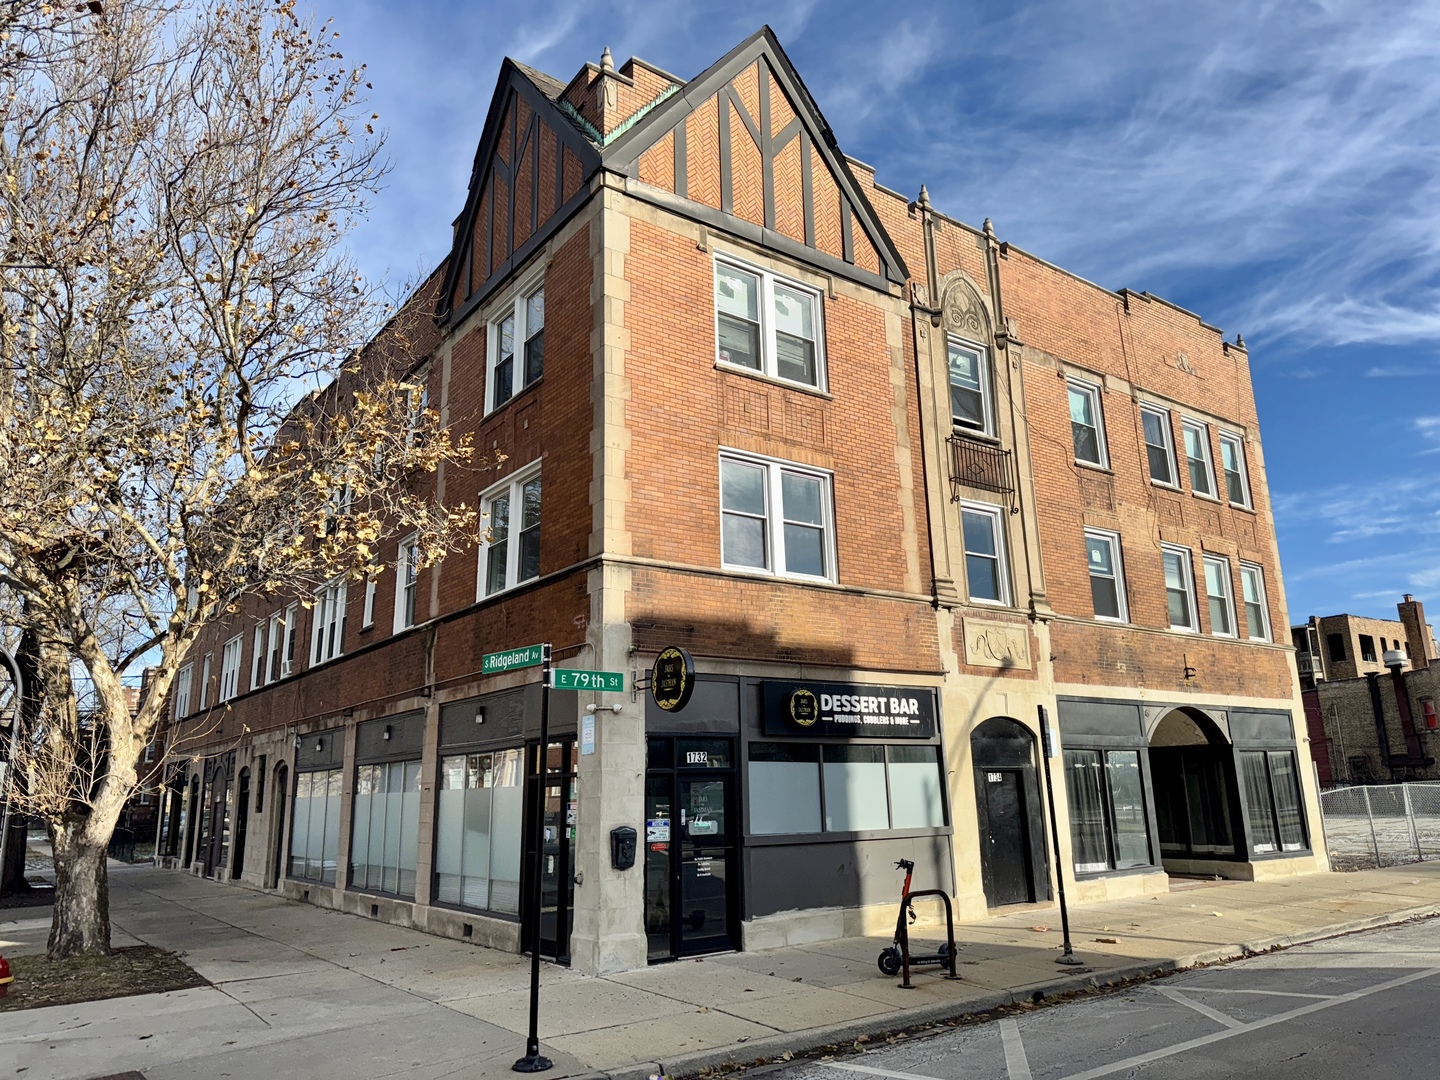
1006,849
557,870
242,820
277,869
691,866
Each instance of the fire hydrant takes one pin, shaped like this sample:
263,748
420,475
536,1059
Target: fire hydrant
5,977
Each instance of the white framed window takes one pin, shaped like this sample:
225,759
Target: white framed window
511,555
367,616
517,347
1159,445
1232,464
1197,457
1087,423
971,407
1107,575
986,575
417,401
776,517
257,657
768,324
1179,587
230,668
1257,611
205,680
1220,596
183,680
292,635
329,636
407,578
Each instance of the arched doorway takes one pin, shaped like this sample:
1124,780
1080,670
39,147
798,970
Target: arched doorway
1192,768
242,819
279,808
1013,860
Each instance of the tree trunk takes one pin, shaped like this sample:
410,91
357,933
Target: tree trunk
80,921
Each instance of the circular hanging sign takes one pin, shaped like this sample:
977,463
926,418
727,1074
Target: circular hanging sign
804,708
672,679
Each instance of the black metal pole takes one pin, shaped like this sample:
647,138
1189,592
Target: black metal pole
1068,956
532,1061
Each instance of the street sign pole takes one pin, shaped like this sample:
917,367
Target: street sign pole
1068,956
532,1061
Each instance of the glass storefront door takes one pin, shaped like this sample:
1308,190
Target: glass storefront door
557,867
691,865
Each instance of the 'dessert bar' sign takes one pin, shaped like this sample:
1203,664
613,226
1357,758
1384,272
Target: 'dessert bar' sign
849,710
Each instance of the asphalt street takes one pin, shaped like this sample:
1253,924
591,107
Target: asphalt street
1353,1007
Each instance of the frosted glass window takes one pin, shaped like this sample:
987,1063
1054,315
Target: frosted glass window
915,788
386,823
477,854
784,789
315,828
855,797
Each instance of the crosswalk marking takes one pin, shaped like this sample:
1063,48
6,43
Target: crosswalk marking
1203,1010
1016,1064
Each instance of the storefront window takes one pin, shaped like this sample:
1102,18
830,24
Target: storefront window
1272,798
315,831
477,852
386,828
1106,797
786,780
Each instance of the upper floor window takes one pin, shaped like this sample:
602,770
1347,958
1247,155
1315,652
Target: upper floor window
768,325
417,400
1252,592
1367,648
1197,456
1159,448
775,517
367,613
257,657
1179,588
205,680
985,572
230,668
182,691
407,579
521,328
512,553
329,637
1087,423
1232,462
280,654
1336,644
1219,596
1107,577
970,404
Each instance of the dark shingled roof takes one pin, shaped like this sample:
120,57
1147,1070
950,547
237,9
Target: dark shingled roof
548,85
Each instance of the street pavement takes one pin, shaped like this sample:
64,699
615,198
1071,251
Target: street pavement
301,991
1356,1006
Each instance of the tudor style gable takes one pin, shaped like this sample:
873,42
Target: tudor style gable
745,145
529,175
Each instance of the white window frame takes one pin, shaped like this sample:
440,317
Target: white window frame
987,386
516,308
775,468
997,515
1229,438
274,645
1259,573
205,666
329,615
1187,424
367,615
407,585
184,681
1207,560
1117,561
1187,573
291,639
1094,393
769,356
230,655
257,657
513,485
417,401
1163,415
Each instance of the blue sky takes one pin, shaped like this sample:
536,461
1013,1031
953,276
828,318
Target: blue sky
1271,166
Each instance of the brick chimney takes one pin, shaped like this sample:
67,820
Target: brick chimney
1417,634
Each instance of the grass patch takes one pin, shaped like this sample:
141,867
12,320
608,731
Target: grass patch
140,969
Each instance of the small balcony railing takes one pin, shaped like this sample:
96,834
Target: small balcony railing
981,465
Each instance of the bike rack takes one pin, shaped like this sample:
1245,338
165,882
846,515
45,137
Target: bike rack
905,983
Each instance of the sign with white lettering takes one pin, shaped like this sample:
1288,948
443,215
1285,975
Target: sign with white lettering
849,710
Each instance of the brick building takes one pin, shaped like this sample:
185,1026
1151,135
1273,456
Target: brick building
1372,722
875,469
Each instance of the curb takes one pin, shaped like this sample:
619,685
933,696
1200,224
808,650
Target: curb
758,1051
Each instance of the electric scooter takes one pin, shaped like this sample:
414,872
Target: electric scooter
893,959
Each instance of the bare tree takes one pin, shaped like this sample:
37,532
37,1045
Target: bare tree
194,404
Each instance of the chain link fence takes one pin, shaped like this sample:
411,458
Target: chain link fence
1381,825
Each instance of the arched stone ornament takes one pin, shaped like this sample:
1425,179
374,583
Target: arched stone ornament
965,312
1153,714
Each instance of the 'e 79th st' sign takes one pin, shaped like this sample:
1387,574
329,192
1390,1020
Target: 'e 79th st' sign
849,710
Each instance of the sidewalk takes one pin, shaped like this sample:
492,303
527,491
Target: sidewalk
298,990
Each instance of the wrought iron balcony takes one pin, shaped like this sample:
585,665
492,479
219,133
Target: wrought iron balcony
978,464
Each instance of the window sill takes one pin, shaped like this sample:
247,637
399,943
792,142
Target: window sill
1112,620
522,392
482,597
1205,498
772,575
1244,509
774,380
1164,486
367,628
972,433
1184,629
1094,467
989,603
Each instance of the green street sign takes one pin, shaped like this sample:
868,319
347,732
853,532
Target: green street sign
611,682
510,659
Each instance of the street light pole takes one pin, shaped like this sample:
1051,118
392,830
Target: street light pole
1067,957
533,1061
